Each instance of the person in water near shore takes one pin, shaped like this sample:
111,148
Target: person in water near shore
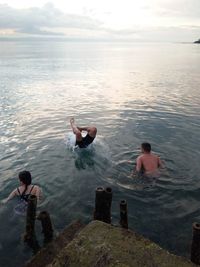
148,163
85,141
25,189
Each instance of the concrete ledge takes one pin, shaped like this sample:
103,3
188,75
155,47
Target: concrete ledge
46,255
101,245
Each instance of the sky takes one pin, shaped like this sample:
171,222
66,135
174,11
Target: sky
127,20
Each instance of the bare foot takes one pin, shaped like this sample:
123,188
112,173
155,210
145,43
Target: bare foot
72,120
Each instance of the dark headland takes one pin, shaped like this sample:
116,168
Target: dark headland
197,42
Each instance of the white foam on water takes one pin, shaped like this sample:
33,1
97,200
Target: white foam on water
70,141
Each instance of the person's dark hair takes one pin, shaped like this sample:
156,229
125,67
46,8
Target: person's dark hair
146,147
25,178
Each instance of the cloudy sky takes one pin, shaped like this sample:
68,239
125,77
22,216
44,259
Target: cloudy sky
131,20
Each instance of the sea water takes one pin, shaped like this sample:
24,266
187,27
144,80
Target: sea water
132,93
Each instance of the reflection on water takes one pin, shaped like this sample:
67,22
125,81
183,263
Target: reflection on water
132,93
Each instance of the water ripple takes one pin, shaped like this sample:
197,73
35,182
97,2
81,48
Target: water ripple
116,88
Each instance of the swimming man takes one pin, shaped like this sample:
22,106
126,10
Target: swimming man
85,141
148,162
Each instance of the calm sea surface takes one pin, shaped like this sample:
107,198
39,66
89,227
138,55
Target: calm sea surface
132,93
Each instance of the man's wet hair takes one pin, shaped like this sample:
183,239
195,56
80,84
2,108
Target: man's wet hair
146,147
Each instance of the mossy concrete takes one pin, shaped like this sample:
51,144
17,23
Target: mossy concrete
47,254
102,245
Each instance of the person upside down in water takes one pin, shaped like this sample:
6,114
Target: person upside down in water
83,142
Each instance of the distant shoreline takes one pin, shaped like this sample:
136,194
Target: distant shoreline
57,39
197,42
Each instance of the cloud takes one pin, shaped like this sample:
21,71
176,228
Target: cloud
50,21
34,30
179,8
33,20
182,33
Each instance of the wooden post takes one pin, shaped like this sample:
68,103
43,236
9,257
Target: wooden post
195,247
47,228
123,214
107,205
99,204
29,236
103,203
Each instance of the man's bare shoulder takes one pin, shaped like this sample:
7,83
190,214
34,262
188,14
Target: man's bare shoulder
147,156
154,155
140,157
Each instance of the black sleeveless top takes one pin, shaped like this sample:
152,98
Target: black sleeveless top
24,196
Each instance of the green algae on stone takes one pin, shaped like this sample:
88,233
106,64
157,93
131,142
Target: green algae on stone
101,245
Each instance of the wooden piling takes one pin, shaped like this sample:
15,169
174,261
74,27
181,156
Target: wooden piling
29,236
47,228
195,247
99,205
103,201
107,205
123,214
